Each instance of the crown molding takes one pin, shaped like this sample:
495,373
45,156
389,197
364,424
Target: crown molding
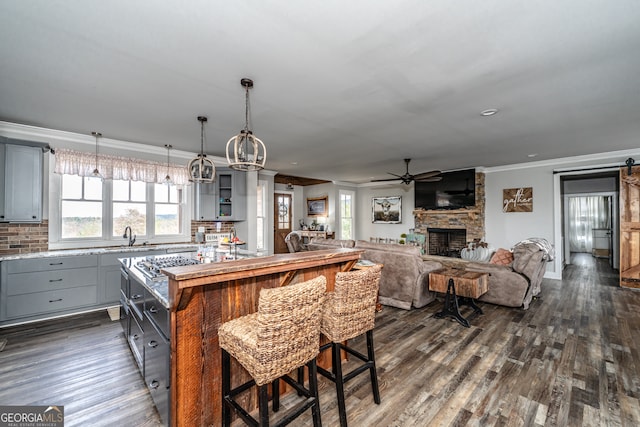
76,141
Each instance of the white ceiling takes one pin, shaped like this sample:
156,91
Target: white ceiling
346,89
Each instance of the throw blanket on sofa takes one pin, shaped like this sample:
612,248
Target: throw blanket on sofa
543,244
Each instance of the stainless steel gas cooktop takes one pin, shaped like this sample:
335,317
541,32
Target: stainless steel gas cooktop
152,265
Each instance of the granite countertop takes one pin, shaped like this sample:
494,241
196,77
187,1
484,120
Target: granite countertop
180,247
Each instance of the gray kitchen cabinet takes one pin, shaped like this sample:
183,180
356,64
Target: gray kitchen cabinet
205,202
223,200
33,289
109,274
145,322
231,203
21,183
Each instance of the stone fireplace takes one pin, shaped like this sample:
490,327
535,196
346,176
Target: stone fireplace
446,241
458,226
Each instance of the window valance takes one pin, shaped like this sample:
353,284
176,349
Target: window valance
73,162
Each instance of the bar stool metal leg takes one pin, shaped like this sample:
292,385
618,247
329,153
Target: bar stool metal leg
372,368
339,380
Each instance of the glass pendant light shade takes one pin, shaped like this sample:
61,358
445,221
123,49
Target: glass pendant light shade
167,179
201,169
96,173
246,152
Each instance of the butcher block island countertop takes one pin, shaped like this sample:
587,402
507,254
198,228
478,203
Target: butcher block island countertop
202,297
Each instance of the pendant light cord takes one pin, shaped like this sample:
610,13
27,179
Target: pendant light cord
202,138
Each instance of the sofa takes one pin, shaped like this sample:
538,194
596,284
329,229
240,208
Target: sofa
511,285
404,282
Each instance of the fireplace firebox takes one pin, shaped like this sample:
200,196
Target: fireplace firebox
446,241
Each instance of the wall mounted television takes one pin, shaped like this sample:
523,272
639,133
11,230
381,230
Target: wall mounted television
456,190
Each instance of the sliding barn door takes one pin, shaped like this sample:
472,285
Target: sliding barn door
630,227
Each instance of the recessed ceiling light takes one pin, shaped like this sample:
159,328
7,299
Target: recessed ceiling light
294,163
489,112
532,155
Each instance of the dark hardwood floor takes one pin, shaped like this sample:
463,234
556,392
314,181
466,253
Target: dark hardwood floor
572,359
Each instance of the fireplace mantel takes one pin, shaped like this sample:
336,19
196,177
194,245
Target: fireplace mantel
470,219
470,212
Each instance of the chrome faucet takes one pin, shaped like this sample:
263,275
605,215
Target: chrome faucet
131,236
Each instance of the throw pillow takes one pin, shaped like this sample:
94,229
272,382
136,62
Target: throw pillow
502,257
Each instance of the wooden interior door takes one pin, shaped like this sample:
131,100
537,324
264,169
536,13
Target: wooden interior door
282,222
630,227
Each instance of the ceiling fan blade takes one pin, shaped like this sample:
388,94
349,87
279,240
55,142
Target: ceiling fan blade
426,174
431,179
388,179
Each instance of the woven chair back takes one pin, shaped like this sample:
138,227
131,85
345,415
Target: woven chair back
288,327
350,310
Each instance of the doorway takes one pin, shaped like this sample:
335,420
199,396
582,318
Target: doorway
590,217
282,223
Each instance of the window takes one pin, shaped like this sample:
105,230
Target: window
81,207
346,214
261,223
129,207
167,209
98,211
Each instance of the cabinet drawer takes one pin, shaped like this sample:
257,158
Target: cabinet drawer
43,302
51,263
156,370
26,283
158,315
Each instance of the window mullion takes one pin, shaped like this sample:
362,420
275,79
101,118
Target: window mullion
151,211
107,210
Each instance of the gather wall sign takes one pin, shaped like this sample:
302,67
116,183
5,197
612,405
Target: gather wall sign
517,199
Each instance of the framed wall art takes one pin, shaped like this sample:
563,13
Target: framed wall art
386,210
317,206
517,199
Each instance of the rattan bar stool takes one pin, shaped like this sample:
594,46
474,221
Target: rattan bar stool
282,336
349,311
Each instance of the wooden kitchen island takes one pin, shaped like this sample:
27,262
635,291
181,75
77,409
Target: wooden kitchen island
202,297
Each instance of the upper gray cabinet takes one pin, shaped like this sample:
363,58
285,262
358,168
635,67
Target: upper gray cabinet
20,183
223,200
231,203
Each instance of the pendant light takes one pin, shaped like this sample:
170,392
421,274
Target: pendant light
201,169
96,173
245,152
167,179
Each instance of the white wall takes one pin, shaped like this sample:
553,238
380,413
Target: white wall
365,228
505,229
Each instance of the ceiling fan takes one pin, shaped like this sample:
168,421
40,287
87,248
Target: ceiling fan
407,178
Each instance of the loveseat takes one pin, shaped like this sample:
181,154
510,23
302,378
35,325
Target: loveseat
404,282
511,285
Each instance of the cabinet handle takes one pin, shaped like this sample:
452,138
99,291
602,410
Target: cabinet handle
55,300
56,263
136,296
153,309
153,344
55,280
154,384
135,337
33,217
